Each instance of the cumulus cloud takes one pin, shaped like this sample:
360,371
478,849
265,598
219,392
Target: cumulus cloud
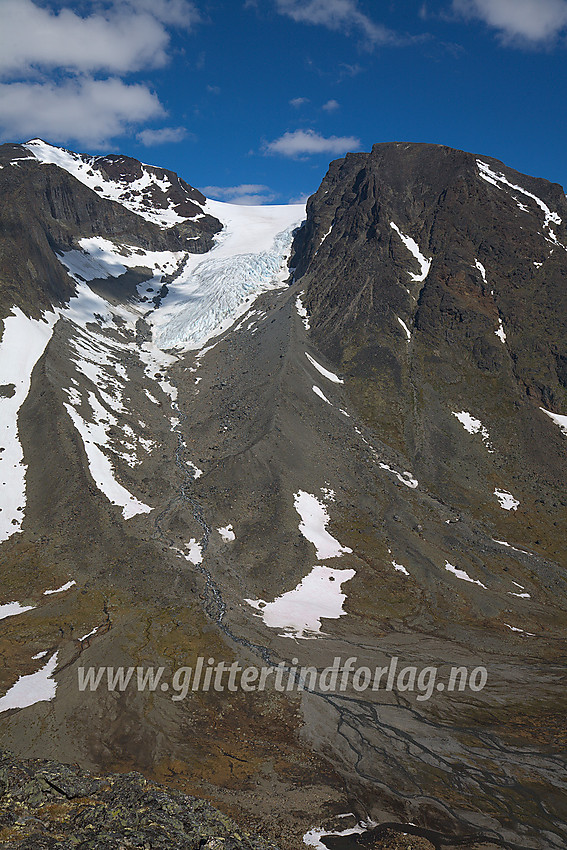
163,136
336,15
331,106
86,111
308,142
76,44
298,101
115,40
520,21
247,194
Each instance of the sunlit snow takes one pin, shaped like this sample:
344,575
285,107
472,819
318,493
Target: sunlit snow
463,575
507,501
474,426
321,394
313,526
300,611
29,690
413,248
61,589
10,609
325,372
559,419
227,533
23,342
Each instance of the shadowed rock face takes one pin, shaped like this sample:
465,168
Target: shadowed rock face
434,293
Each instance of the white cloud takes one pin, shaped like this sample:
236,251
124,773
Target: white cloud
247,194
527,21
336,15
94,38
331,106
116,40
86,111
298,101
163,136
307,142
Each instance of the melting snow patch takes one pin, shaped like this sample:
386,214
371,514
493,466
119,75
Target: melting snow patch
196,471
474,426
507,501
404,477
194,552
558,418
325,372
94,436
400,568
321,394
61,589
23,342
499,180
501,333
521,631
314,520
13,608
314,836
463,575
299,612
89,634
39,655
481,269
29,690
302,312
405,327
227,533
413,248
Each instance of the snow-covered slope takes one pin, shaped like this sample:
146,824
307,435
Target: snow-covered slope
153,193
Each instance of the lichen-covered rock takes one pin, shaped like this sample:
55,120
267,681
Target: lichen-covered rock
44,804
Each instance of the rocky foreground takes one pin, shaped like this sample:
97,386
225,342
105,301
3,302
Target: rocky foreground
44,804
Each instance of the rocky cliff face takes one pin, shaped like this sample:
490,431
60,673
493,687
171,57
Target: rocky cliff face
202,457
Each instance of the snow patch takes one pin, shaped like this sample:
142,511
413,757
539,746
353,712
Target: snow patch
313,526
29,690
23,342
464,576
413,248
404,477
302,312
11,609
321,394
227,533
300,611
325,372
507,501
474,426
61,589
559,419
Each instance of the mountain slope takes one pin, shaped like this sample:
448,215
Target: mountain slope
202,460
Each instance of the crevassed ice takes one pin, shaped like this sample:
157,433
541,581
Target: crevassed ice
215,289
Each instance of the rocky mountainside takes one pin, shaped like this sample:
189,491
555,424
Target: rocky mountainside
281,438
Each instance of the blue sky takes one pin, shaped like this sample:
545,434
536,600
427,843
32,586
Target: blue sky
251,99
